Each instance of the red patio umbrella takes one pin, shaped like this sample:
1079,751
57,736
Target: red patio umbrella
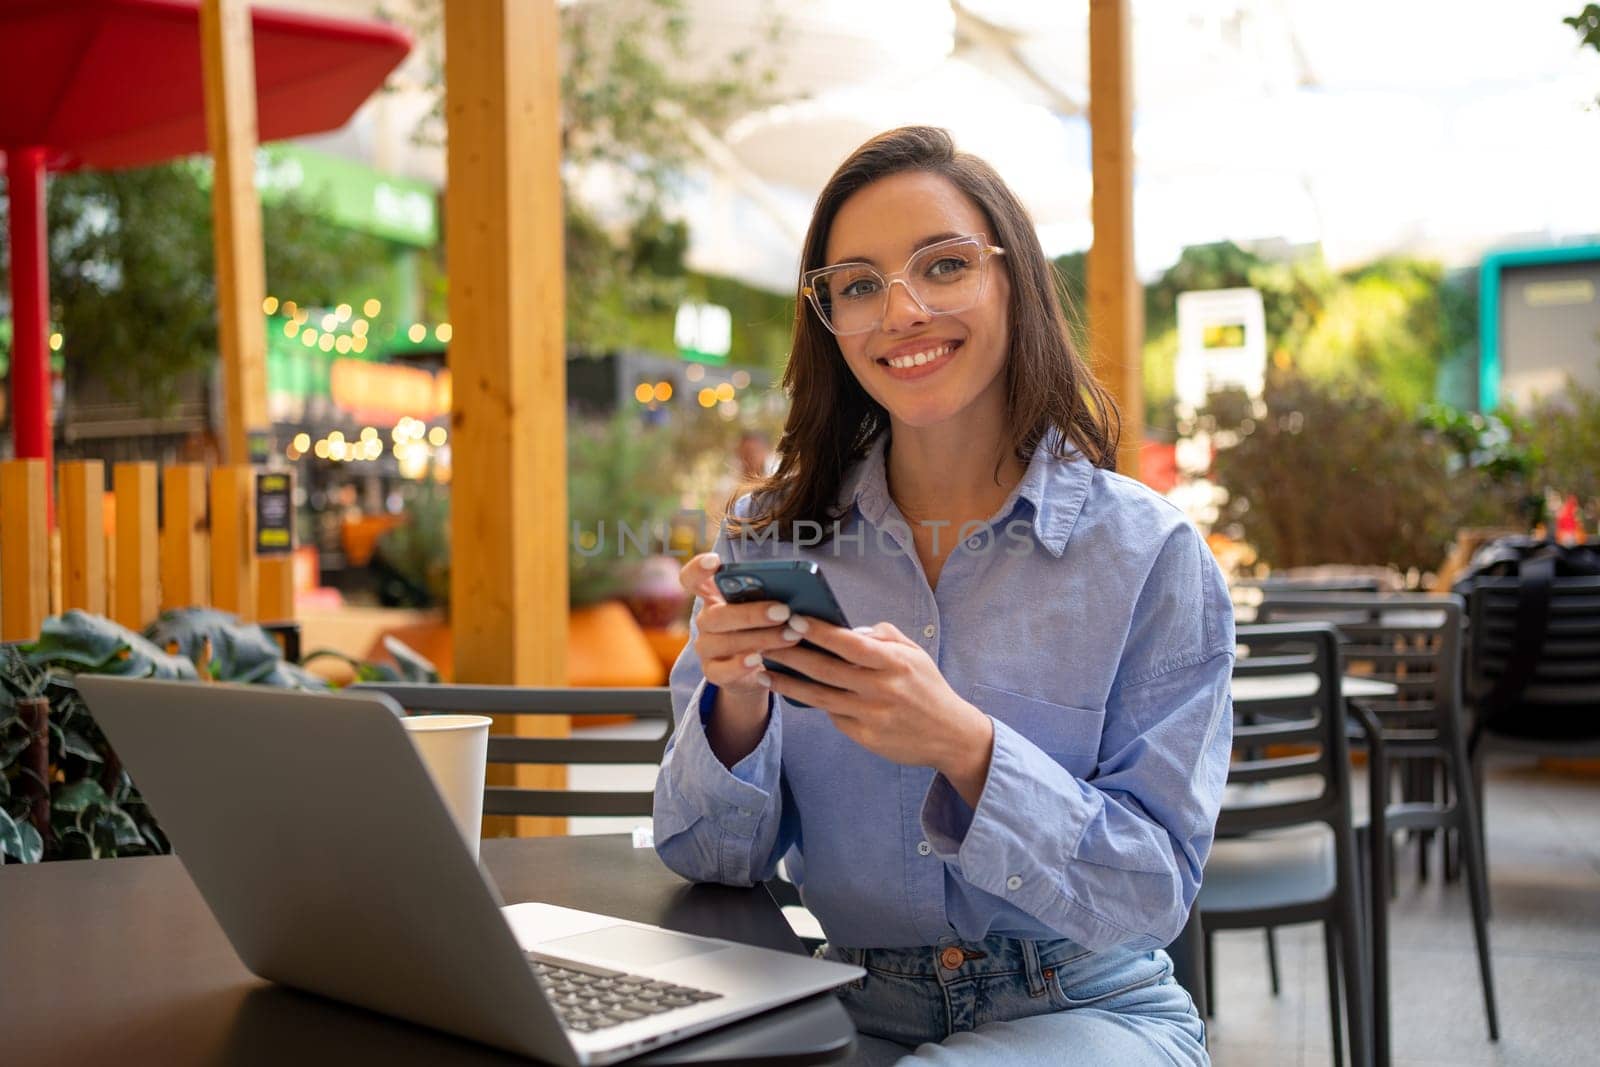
117,83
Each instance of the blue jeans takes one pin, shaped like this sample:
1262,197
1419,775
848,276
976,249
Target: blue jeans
1004,1001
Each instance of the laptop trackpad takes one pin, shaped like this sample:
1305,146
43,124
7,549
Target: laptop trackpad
630,946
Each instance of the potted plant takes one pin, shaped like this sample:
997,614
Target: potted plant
63,792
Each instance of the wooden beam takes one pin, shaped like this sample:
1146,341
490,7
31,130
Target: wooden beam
233,540
185,538
24,549
228,64
83,536
507,358
1116,300
136,597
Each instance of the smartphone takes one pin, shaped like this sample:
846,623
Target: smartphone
797,583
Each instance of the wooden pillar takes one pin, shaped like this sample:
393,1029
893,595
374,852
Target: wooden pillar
228,64
507,359
185,538
233,541
24,549
1116,301
136,598
83,536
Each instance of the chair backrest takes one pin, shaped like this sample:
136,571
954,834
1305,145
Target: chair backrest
1349,584
1562,697
1411,640
1287,696
1249,593
649,706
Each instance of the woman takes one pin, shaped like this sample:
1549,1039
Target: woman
1003,792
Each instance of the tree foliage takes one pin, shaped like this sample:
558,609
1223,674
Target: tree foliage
1392,325
1331,472
632,103
132,278
1340,472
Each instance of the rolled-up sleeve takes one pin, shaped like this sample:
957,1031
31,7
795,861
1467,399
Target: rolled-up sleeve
1115,858
714,823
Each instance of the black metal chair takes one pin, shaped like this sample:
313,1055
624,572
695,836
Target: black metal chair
1189,960
1249,593
652,703
1557,712
1414,642
1285,850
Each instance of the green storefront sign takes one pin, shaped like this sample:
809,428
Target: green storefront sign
351,194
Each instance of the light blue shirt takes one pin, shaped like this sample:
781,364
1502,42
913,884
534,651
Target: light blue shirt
1089,620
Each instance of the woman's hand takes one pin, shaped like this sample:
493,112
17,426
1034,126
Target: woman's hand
732,637
889,697
729,642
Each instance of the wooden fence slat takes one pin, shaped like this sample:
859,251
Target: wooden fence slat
24,549
233,540
135,598
185,538
83,528
275,575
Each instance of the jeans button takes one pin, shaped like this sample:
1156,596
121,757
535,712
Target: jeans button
951,958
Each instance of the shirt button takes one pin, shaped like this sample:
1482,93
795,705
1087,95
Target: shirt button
923,848
974,543
1014,882
929,630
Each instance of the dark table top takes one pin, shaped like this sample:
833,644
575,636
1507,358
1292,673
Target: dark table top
120,961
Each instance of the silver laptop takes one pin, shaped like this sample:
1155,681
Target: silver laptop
319,842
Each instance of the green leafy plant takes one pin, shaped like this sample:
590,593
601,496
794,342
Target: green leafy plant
64,794
1331,473
93,808
412,560
635,101
1586,24
618,472
1490,453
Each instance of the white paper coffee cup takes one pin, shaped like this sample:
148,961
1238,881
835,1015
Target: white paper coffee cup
455,749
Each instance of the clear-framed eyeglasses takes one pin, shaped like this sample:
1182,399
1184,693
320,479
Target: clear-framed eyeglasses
942,279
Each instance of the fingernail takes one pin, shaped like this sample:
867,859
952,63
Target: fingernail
864,630
778,612
799,625
763,681
710,562
753,660
791,632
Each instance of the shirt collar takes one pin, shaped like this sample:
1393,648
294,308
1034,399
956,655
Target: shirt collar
1054,488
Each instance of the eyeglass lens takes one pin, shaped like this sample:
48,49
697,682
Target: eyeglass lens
944,278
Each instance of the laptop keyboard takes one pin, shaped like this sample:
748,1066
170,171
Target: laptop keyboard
593,998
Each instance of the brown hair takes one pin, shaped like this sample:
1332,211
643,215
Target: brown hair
833,422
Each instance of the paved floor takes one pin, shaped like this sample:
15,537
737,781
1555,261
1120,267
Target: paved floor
1544,867
1544,870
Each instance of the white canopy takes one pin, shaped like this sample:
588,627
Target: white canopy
1435,126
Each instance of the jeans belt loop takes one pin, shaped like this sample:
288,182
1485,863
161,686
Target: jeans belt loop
1031,968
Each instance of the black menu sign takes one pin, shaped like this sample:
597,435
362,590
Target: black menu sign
274,513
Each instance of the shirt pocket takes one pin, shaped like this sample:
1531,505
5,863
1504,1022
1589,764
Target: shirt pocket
1068,735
